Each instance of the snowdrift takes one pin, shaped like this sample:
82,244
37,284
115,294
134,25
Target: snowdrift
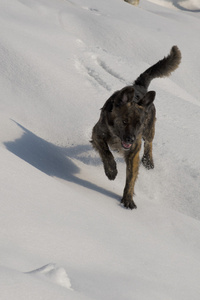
64,234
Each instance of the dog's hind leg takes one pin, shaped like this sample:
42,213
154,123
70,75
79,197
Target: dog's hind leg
147,159
148,136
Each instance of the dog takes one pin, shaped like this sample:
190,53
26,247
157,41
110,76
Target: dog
126,118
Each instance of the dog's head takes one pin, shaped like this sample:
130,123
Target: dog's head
126,113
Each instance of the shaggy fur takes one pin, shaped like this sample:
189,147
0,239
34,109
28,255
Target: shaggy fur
127,117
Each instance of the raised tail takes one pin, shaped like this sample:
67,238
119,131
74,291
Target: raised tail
162,68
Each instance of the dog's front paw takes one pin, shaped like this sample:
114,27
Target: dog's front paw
110,169
147,162
128,202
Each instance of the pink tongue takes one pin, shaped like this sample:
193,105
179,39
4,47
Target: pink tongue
125,145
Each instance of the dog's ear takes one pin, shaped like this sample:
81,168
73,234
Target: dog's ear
148,99
108,106
124,96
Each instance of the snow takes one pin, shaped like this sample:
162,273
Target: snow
64,233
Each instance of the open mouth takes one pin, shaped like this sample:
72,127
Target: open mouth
126,146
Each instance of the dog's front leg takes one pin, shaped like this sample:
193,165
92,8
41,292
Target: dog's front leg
132,166
107,158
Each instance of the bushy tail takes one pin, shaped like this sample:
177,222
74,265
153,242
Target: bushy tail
162,68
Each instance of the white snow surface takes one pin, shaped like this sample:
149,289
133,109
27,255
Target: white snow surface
64,234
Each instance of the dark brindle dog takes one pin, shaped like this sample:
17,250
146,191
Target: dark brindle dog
127,117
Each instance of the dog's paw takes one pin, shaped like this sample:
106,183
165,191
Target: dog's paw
111,170
128,203
147,162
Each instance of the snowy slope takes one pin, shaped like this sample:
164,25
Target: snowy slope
64,234
186,5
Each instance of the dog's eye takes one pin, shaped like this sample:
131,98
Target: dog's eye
125,122
137,97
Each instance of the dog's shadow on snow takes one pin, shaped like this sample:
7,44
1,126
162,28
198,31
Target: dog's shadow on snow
53,160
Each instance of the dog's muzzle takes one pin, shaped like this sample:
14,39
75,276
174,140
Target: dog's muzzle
127,143
126,146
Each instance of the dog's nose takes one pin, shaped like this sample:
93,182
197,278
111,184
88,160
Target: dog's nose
129,139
